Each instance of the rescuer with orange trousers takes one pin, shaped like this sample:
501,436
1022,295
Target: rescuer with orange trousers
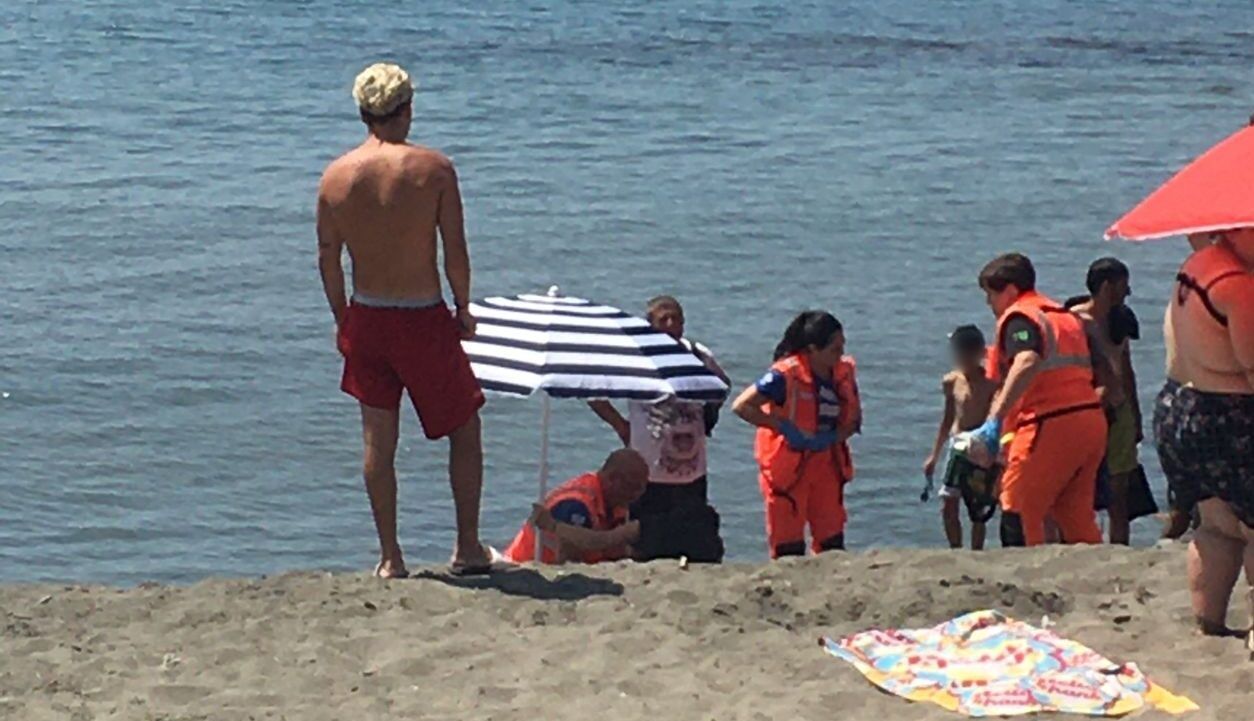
585,520
1050,401
805,408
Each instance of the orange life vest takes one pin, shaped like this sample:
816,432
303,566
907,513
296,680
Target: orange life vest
1065,381
587,490
801,406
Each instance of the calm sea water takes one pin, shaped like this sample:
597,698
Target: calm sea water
168,382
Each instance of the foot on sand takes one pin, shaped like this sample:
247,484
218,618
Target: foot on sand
388,570
477,562
1212,628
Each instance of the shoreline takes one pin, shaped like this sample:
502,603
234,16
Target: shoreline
735,641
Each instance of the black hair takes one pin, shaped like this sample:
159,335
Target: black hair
1075,300
967,338
372,119
1007,270
1103,271
810,328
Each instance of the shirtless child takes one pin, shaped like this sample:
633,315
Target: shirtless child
968,395
385,201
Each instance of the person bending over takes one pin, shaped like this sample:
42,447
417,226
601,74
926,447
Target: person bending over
585,520
1050,402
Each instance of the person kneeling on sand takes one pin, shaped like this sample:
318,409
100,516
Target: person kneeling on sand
805,408
585,520
968,395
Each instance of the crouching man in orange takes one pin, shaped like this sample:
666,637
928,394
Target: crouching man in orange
585,519
805,408
1049,401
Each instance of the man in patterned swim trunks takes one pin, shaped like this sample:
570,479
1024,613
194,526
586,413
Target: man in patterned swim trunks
385,201
1204,419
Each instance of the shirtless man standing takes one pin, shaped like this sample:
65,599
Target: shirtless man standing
1204,419
385,200
1110,322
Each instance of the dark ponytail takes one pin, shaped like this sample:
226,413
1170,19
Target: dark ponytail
811,328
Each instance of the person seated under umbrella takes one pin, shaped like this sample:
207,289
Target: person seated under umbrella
585,520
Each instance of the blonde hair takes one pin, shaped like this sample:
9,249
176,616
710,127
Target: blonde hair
382,89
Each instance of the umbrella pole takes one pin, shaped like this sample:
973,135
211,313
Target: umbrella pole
544,469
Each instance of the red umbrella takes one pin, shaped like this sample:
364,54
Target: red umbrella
1214,192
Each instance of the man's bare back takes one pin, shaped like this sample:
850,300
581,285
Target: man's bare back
972,397
1201,351
386,202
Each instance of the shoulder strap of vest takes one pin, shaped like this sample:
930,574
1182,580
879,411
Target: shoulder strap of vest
1052,358
1189,283
581,489
1223,276
787,364
792,386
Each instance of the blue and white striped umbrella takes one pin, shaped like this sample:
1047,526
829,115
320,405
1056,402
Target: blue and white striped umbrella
573,348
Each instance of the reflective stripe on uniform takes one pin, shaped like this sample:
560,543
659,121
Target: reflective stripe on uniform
1051,359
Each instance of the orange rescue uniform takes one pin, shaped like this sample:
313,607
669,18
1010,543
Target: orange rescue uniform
806,487
587,490
1059,427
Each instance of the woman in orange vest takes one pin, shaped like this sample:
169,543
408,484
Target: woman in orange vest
585,519
1050,401
805,408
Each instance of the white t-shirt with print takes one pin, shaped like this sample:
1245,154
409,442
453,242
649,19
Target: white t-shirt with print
670,434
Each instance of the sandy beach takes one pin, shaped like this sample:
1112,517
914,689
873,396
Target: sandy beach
617,641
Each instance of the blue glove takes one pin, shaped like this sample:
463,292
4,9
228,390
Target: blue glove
822,441
797,440
989,434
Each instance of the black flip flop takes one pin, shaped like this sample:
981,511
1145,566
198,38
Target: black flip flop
462,570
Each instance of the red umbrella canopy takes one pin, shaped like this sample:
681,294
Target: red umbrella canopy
1214,192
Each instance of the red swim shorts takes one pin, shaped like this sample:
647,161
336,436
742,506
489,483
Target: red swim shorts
415,349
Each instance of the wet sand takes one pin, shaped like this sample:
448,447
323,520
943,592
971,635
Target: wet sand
622,642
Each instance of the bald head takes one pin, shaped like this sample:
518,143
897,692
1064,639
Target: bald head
624,476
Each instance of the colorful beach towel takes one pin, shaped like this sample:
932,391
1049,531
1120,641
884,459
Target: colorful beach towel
986,664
